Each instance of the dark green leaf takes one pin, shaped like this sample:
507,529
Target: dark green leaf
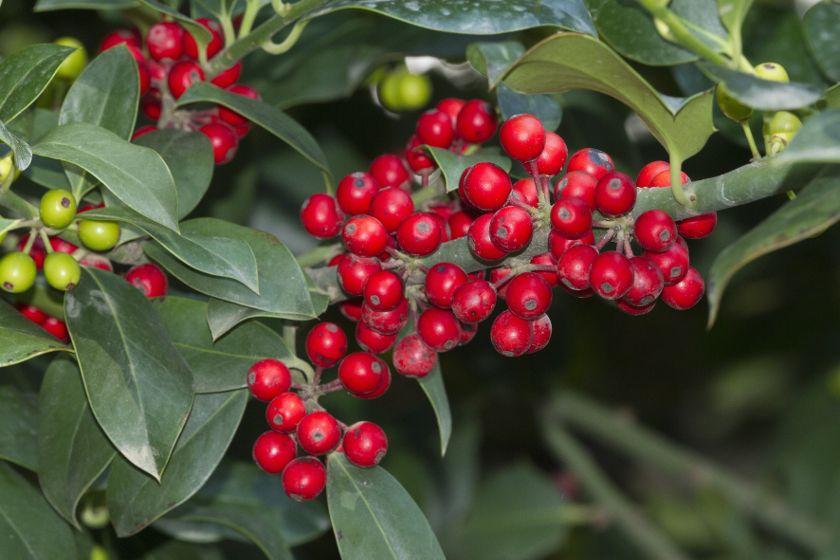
21,339
138,176
72,449
25,76
29,528
45,5
541,106
763,94
815,208
19,418
374,517
200,33
732,13
217,251
45,171
453,165
817,141
189,156
432,385
135,499
223,315
174,550
219,366
273,120
831,98
493,58
822,35
138,385
22,151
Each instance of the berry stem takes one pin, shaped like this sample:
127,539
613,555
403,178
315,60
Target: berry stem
29,242
503,280
604,224
628,250
286,44
46,240
751,140
680,33
248,18
524,205
331,387
532,168
318,255
317,379
605,239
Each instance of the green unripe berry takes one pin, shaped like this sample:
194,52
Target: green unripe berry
772,72
389,92
784,122
415,91
17,272
6,166
730,106
99,235
98,553
61,271
58,208
75,63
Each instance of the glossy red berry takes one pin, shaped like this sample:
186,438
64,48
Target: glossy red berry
574,266
557,244
439,329
611,275
417,159
57,328
435,129
364,236
371,341
318,433
149,278
389,171
32,313
151,105
655,231
592,161
412,358
273,451
474,301
351,309
650,171
355,192
326,344
304,478
182,75
190,47
476,122
579,184
120,36
547,260
635,311
361,373
554,155
522,137
526,191
468,332
227,77
485,186
384,290
528,295
459,224
268,378
223,139
353,271
647,283
685,293
419,234
284,412
697,227
321,217
142,131
499,277
541,329
386,322
365,444
390,206
663,179
442,281
615,194
96,261
229,115
510,335
451,106
480,242
386,384
511,229
164,41
571,217
673,263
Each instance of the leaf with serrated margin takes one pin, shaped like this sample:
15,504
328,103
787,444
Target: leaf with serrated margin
25,76
19,418
21,339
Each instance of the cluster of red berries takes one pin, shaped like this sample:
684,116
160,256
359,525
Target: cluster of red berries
296,418
168,63
52,325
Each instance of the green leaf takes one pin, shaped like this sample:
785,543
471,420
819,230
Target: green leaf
174,550
22,151
44,171
72,449
764,94
138,385
567,61
219,366
732,13
433,386
453,165
29,527
283,288
25,76
46,5
21,339
189,156
138,176
217,251
374,517
19,418
493,58
816,141
541,106
135,499
822,36
273,120
105,94
831,98
815,208
200,33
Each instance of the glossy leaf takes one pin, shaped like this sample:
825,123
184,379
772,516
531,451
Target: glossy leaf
219,366
273,120
817,141
822,35
217,251
25,76
433,386
733,12
201,34
22,151
136,175
45,171
453,165
831,98
763,94
21,339
135,499
19,418
139,387
541,106
374,517
46,5
493,58
815,208
189,156
29,527
72,449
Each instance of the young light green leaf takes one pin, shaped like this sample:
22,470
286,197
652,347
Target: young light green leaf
822,36
453,165
374,517
135,499
19,418
816,141
22,151
139,387
21,339
764,94
25,76
138,176
72,449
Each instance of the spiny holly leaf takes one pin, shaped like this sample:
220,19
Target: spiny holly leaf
21,339
822,36
817,141
764,94
26,75
453,165
19,418
22,151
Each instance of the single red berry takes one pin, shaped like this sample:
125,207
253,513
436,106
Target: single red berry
615,194
190,47
371,341
468,332
223,139
647,283
229,115
476,122
547,260
499,277
390,206
439,329
351,309
353,271
485,186
384,290
386,384
268,378
459,224
474,301
630,310
321,217
579,184
528,295
554,155
151,105
557,244
417,159
451,106
386,322
571,217
412,358
182,75
522,137
444,226
149,278
650,171
157,71
304,478
611,275
526,191
441,282
541,328
61,246
655,231
435,128
318,433
364,236
389,171
31,312
284,412
57,328
365,444
143,130
511,229
479,241
673,263
663,179
592,161
419,234
355,192
326,344
697,227
97,261
273,451
120,36
685,293
510,335
164,40
574,266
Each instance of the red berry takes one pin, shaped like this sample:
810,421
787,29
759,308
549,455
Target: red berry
574,266
615,194
435,129
386,322
151,105
326,344
37,251
417,159
304,478
468,332
164,41
96,261
223,140
355,192
611,275
650,171
365,444
439,329
386,383
384,290
592,161
61,246
697,227
442,281
444,226
143,130
182,75
31,312
120,36
318,433
412,358
321,217
630,310
673,263
526,191
284,412
511,336
496,276
479,241
553,157
459,224
57,328
485,186
371,341
571,217
268,378
353,271
351,309
364,236
451,106
474,301
390,206
476,122
647,283
228,76
557,244
528,295
579,184
663,179
273,451
216,43
419,234
685,293
548,260
511,229
229,115
389,171
655,231
541,328
522,137
149,278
